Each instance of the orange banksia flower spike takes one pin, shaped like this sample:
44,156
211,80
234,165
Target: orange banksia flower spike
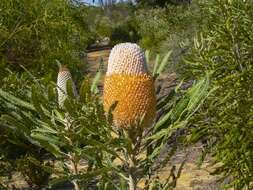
129,83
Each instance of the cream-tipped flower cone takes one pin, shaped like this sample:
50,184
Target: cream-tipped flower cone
129,83
63,76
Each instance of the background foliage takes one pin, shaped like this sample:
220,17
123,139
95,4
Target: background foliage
37,33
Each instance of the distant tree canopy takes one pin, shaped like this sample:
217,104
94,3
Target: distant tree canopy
161,3
105,2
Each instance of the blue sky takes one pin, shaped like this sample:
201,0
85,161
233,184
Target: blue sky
87,1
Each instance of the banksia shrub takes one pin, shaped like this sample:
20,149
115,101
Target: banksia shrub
129,84
64,76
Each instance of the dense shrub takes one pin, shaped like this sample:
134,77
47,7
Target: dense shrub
125,32
116,23
15,147
225,50
166,28
37,33
152,27
104,27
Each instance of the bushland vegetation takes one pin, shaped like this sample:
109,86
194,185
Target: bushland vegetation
208,44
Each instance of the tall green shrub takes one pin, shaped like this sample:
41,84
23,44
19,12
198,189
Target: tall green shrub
36,33
225,49
165,28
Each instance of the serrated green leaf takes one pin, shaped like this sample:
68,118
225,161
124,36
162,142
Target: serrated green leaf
94,88
163,120
157,62
15,123
163,63
16,101
147,56
85,91
70,88
51,139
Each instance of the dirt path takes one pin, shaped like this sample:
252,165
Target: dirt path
95,57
